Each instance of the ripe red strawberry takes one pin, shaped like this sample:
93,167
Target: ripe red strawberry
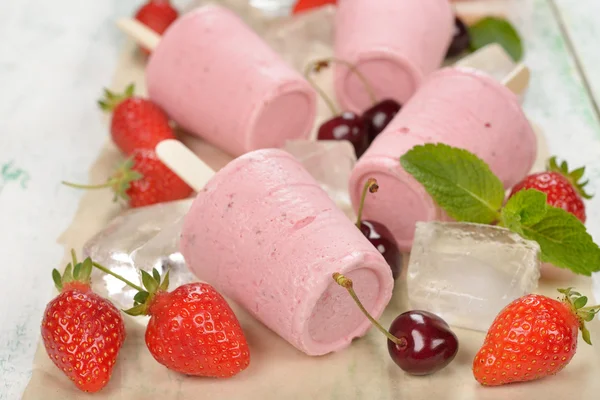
81,331
306,5
136,123
533,337
562,187
157,15
143,180
192,329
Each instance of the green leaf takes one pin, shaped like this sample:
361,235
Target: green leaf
585,334
57,279
496,30
156,274
137,310
76,270
526,207
588,316
149,283
459,182
86,269
141,297
165,283
580,302
564,242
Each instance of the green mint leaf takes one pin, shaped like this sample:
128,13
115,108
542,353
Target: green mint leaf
496,30
564,241
526,207
457,180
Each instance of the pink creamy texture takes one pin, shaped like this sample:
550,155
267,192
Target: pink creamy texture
267,236
219,80
395,43
454,106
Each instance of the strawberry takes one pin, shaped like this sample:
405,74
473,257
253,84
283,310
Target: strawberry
143,180
561,186
157,15
192,329
81,331
533,337
306,5
136,123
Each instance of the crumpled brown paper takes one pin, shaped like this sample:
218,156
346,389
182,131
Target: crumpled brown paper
277,370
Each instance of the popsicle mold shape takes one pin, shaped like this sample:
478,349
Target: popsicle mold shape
457,106
267,236
395,44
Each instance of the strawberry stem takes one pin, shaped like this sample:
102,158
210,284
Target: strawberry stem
119,277
361,77
372,187
111,100
110,183
347,284
307,74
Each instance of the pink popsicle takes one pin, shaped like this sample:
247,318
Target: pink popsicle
394,43
461,108
219,80
267,236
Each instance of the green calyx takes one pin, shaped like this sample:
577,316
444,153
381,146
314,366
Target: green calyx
111,100
75,271
119,182
143,298
577,302
573,177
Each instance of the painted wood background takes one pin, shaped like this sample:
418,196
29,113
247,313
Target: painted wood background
52,68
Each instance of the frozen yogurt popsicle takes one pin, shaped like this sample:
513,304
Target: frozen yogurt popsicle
219,80
394,43
267,236
456,106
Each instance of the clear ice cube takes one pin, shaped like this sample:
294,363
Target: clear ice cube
142,238
466,273
330,162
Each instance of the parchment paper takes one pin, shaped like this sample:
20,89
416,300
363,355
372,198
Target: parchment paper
277,370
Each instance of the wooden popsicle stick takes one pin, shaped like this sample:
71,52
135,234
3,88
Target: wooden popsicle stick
139,32
183,162
491,55
518,80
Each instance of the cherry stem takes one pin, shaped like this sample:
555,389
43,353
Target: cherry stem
372,187
347,284
361,77
313,66
119,277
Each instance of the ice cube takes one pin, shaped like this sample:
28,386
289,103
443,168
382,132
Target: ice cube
330,162
142,238
466,273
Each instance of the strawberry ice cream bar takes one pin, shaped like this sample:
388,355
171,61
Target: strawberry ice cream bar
219,80
458,107
394,43
267,236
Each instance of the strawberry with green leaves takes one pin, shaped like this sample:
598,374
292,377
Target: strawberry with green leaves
562,187
143,180
192,329
136,123
82,332
533,337
464,186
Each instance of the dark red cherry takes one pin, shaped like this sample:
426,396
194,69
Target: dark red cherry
347,126
379,116
426,343
381,238
461,39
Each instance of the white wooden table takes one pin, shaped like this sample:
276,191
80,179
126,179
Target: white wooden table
55,56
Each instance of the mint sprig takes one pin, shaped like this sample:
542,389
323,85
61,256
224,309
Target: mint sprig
464,186
496,30
458,181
